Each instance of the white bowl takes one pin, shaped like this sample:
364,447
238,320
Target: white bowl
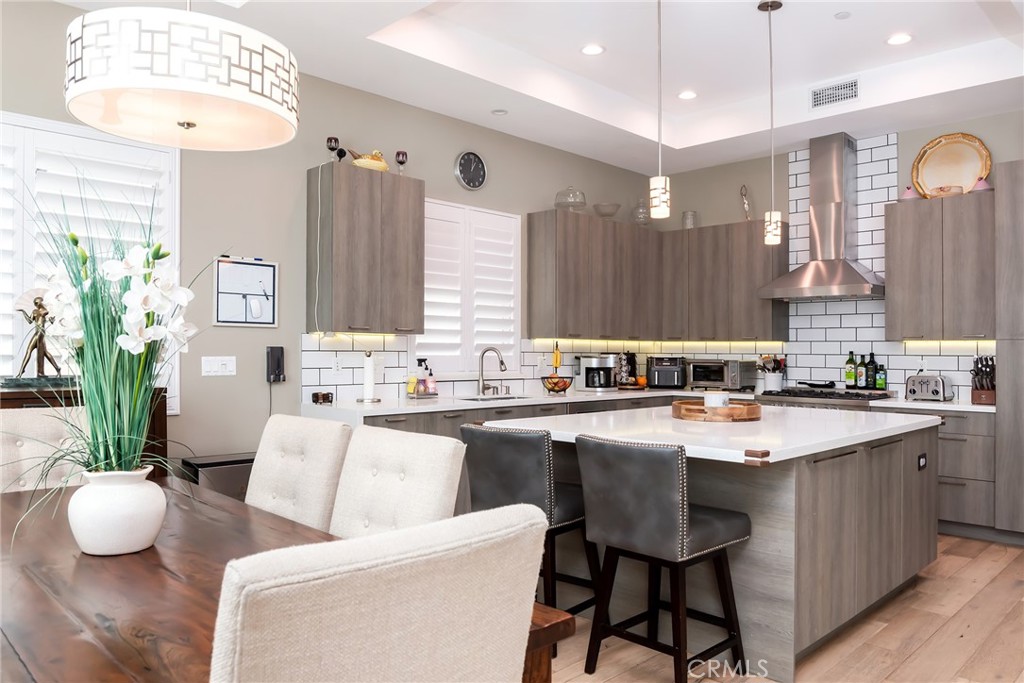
606,210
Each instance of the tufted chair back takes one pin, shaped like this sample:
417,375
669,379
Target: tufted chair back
508,466
27,437
400,606
392,480
295,472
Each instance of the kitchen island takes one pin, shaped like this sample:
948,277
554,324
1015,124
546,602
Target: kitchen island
842,503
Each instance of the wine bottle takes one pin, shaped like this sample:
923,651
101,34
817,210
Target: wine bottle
881,379
862,373
870,369
850,372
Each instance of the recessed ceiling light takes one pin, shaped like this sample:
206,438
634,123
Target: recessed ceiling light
841,16
899,39
592,49
499,112
687,95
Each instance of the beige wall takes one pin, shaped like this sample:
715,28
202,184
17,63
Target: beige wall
253,204
714,193
1002,134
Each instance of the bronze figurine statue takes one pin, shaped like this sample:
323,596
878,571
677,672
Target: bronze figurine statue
39,319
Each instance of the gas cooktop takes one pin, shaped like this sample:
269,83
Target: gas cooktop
837,398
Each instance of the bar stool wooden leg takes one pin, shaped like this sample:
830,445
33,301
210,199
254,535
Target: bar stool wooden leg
677,588
653,599
601,620
548,570
721,562
593,561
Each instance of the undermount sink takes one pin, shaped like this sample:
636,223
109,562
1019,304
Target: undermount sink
492,398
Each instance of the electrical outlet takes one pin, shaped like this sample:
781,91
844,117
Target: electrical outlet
336,364
218,366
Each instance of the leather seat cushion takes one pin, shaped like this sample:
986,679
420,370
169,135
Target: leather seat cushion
712,528
568,503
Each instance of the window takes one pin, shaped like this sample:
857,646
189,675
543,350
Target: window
42,167
471,287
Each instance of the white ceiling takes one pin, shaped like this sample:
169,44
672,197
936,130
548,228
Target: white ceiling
466,58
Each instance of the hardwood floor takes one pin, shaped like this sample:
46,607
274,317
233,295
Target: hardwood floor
962,621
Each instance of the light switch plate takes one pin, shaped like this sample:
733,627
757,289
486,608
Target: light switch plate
218,366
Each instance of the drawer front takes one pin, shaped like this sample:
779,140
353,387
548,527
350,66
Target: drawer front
967,457
422,423
967,501
620,404
978,424
449,423
521,412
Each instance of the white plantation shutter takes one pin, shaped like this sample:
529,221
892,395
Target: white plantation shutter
471,287
93,181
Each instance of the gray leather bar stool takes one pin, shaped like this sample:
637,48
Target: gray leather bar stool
509,466
636,504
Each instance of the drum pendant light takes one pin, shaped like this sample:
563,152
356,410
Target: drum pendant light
180,78
772,218
660,197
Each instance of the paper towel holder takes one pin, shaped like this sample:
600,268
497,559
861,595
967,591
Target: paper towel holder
368,396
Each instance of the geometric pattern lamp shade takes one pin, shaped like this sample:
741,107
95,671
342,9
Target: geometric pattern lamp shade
181,79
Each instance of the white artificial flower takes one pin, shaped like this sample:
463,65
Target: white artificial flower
145,297
138,335
133,264
61,295
179,332
164,279
68,325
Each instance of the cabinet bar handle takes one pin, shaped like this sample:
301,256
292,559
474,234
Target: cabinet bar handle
748,338
502,411
913,336
707,338
633,338
952,483
547,409
604,336
573,334
674,338
833,457
389,420
453,415
359,327
404,329
973,336
952,438
887,443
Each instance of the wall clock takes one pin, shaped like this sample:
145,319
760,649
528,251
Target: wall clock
470,170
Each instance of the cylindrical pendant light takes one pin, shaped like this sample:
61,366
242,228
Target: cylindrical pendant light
772,218
660,195
180,78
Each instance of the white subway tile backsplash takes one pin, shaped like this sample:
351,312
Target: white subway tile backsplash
310,376
872,196
797,347
799,167
309,342
317,359
826,321
826,347
876,141
811,308
834,307
814,334
802,154
887,152
335,342
841,334
871,169
871,334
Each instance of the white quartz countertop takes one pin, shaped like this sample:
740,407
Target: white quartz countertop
957,406
786,433
391,406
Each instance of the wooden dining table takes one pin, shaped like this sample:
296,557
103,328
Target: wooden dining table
148,616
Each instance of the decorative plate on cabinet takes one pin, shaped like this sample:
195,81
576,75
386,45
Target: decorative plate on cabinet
955,159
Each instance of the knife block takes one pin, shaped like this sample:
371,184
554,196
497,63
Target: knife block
983,397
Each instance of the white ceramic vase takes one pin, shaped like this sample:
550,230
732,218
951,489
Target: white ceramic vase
773,381
117,513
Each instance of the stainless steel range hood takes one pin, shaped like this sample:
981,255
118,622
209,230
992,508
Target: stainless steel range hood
833,270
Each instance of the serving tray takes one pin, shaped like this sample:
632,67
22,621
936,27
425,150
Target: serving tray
948,161
740,411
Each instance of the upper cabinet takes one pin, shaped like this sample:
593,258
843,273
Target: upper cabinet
364,247
1009,208
591,278
675,284
940,268
728,265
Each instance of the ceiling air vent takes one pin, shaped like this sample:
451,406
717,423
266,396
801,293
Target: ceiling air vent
835,93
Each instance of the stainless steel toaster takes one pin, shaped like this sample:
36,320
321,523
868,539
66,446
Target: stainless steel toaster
922,387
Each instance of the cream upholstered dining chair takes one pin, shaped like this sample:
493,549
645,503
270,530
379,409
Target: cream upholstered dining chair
398,606
27,437
392,480
295,472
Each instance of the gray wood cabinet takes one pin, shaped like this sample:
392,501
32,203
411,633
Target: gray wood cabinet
939,268
644,299
968,267
1009,239
675,304
1009,507
608,278
753,265
913,279
448,422
866,522
558,275
920,521
827,513
709,276
364,251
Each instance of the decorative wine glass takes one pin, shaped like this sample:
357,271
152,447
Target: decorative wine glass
333,145
401,157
